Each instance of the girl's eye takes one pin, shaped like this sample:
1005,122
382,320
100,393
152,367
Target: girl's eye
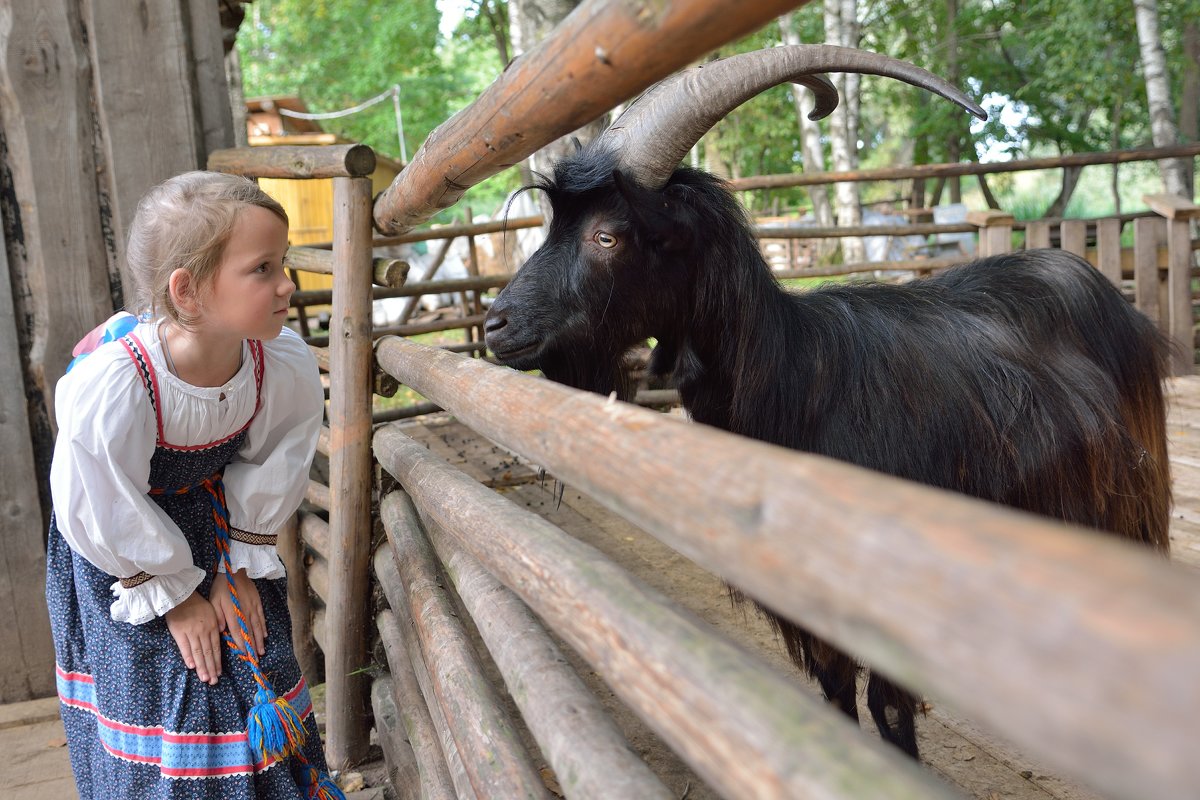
263,267
605,239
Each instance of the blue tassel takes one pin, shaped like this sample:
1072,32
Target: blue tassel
321,786
273,726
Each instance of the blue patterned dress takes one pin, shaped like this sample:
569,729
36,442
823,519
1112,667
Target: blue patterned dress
139,723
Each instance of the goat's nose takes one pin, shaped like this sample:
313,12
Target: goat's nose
494,322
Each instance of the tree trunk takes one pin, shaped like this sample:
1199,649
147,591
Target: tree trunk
1189,94
1115,144
1070,179
811,149
841,28
1158,95
954,141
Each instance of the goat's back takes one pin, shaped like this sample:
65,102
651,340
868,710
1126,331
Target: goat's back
1025,379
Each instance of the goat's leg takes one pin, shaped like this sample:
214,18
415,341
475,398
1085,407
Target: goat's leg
882,695
835,671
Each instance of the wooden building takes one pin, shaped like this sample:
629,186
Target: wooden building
96,106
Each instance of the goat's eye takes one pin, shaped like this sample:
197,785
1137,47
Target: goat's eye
605,239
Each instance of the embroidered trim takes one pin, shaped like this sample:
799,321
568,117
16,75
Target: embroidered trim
249,537
137,352
135,580
176,754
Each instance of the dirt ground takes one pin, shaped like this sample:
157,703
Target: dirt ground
977,763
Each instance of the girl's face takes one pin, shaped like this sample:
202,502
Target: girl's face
250,292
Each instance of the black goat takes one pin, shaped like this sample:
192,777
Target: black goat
1025,379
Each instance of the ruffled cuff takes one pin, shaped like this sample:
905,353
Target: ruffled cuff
259,560
142,598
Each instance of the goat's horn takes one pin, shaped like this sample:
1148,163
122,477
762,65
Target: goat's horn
655,133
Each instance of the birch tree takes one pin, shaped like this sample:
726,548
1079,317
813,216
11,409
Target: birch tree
841,28
1158,95
811,149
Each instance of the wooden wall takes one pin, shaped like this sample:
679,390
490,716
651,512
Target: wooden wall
99,101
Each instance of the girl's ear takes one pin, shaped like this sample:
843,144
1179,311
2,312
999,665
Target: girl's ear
184,294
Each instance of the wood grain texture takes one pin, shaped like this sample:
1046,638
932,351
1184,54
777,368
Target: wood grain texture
295,161
886,569
398,755
773,741
615,48
350,484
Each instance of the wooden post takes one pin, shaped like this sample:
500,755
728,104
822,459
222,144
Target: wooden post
1037,234
995,231
1178,213
351,359
1108,249
1073,233
1148,233
398,755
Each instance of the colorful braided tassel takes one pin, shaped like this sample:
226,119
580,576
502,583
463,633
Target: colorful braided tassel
321,786
274,728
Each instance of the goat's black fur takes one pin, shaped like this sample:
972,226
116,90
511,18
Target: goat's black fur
1025,379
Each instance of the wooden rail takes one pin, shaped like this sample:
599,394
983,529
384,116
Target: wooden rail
887,569
773,741
292,161
613,47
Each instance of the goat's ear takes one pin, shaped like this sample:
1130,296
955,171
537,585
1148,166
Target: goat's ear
659,215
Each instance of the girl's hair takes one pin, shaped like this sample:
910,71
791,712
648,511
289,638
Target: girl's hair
185,223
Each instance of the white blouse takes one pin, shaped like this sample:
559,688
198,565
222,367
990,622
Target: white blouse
100,475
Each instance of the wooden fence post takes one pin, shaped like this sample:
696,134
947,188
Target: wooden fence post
1178,213
1108,249
1073,237
1148,233
351,359
1037,234
995,231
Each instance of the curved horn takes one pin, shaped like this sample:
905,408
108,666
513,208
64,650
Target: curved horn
654,134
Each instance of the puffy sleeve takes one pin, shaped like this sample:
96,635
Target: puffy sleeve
265,483
100,479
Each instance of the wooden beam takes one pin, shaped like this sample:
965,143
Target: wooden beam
291,553
384,271
677,674
350,476
313,297
940,567
614,48
398,756
293,161
1172,206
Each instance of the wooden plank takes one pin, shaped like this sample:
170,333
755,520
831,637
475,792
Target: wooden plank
614,48
1108,249
1037,234
1073,233
485,736
1147,234
1179,295
350,475
964,564
667,667
1171,206
587,751
26,647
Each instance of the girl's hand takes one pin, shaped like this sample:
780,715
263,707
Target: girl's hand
251,605
197,632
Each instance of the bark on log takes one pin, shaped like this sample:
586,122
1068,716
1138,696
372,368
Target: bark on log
774,741
940,567
486,738
384,271
613,47
291,553
295,161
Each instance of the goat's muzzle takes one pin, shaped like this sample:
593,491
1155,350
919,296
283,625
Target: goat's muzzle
506,341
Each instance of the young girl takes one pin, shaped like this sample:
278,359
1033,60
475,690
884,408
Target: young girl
184,444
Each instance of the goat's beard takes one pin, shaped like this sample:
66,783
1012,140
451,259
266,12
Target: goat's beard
602,376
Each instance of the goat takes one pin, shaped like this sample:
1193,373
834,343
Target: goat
1024,379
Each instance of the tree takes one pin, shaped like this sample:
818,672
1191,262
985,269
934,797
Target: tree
842,28
1158,95
811,149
